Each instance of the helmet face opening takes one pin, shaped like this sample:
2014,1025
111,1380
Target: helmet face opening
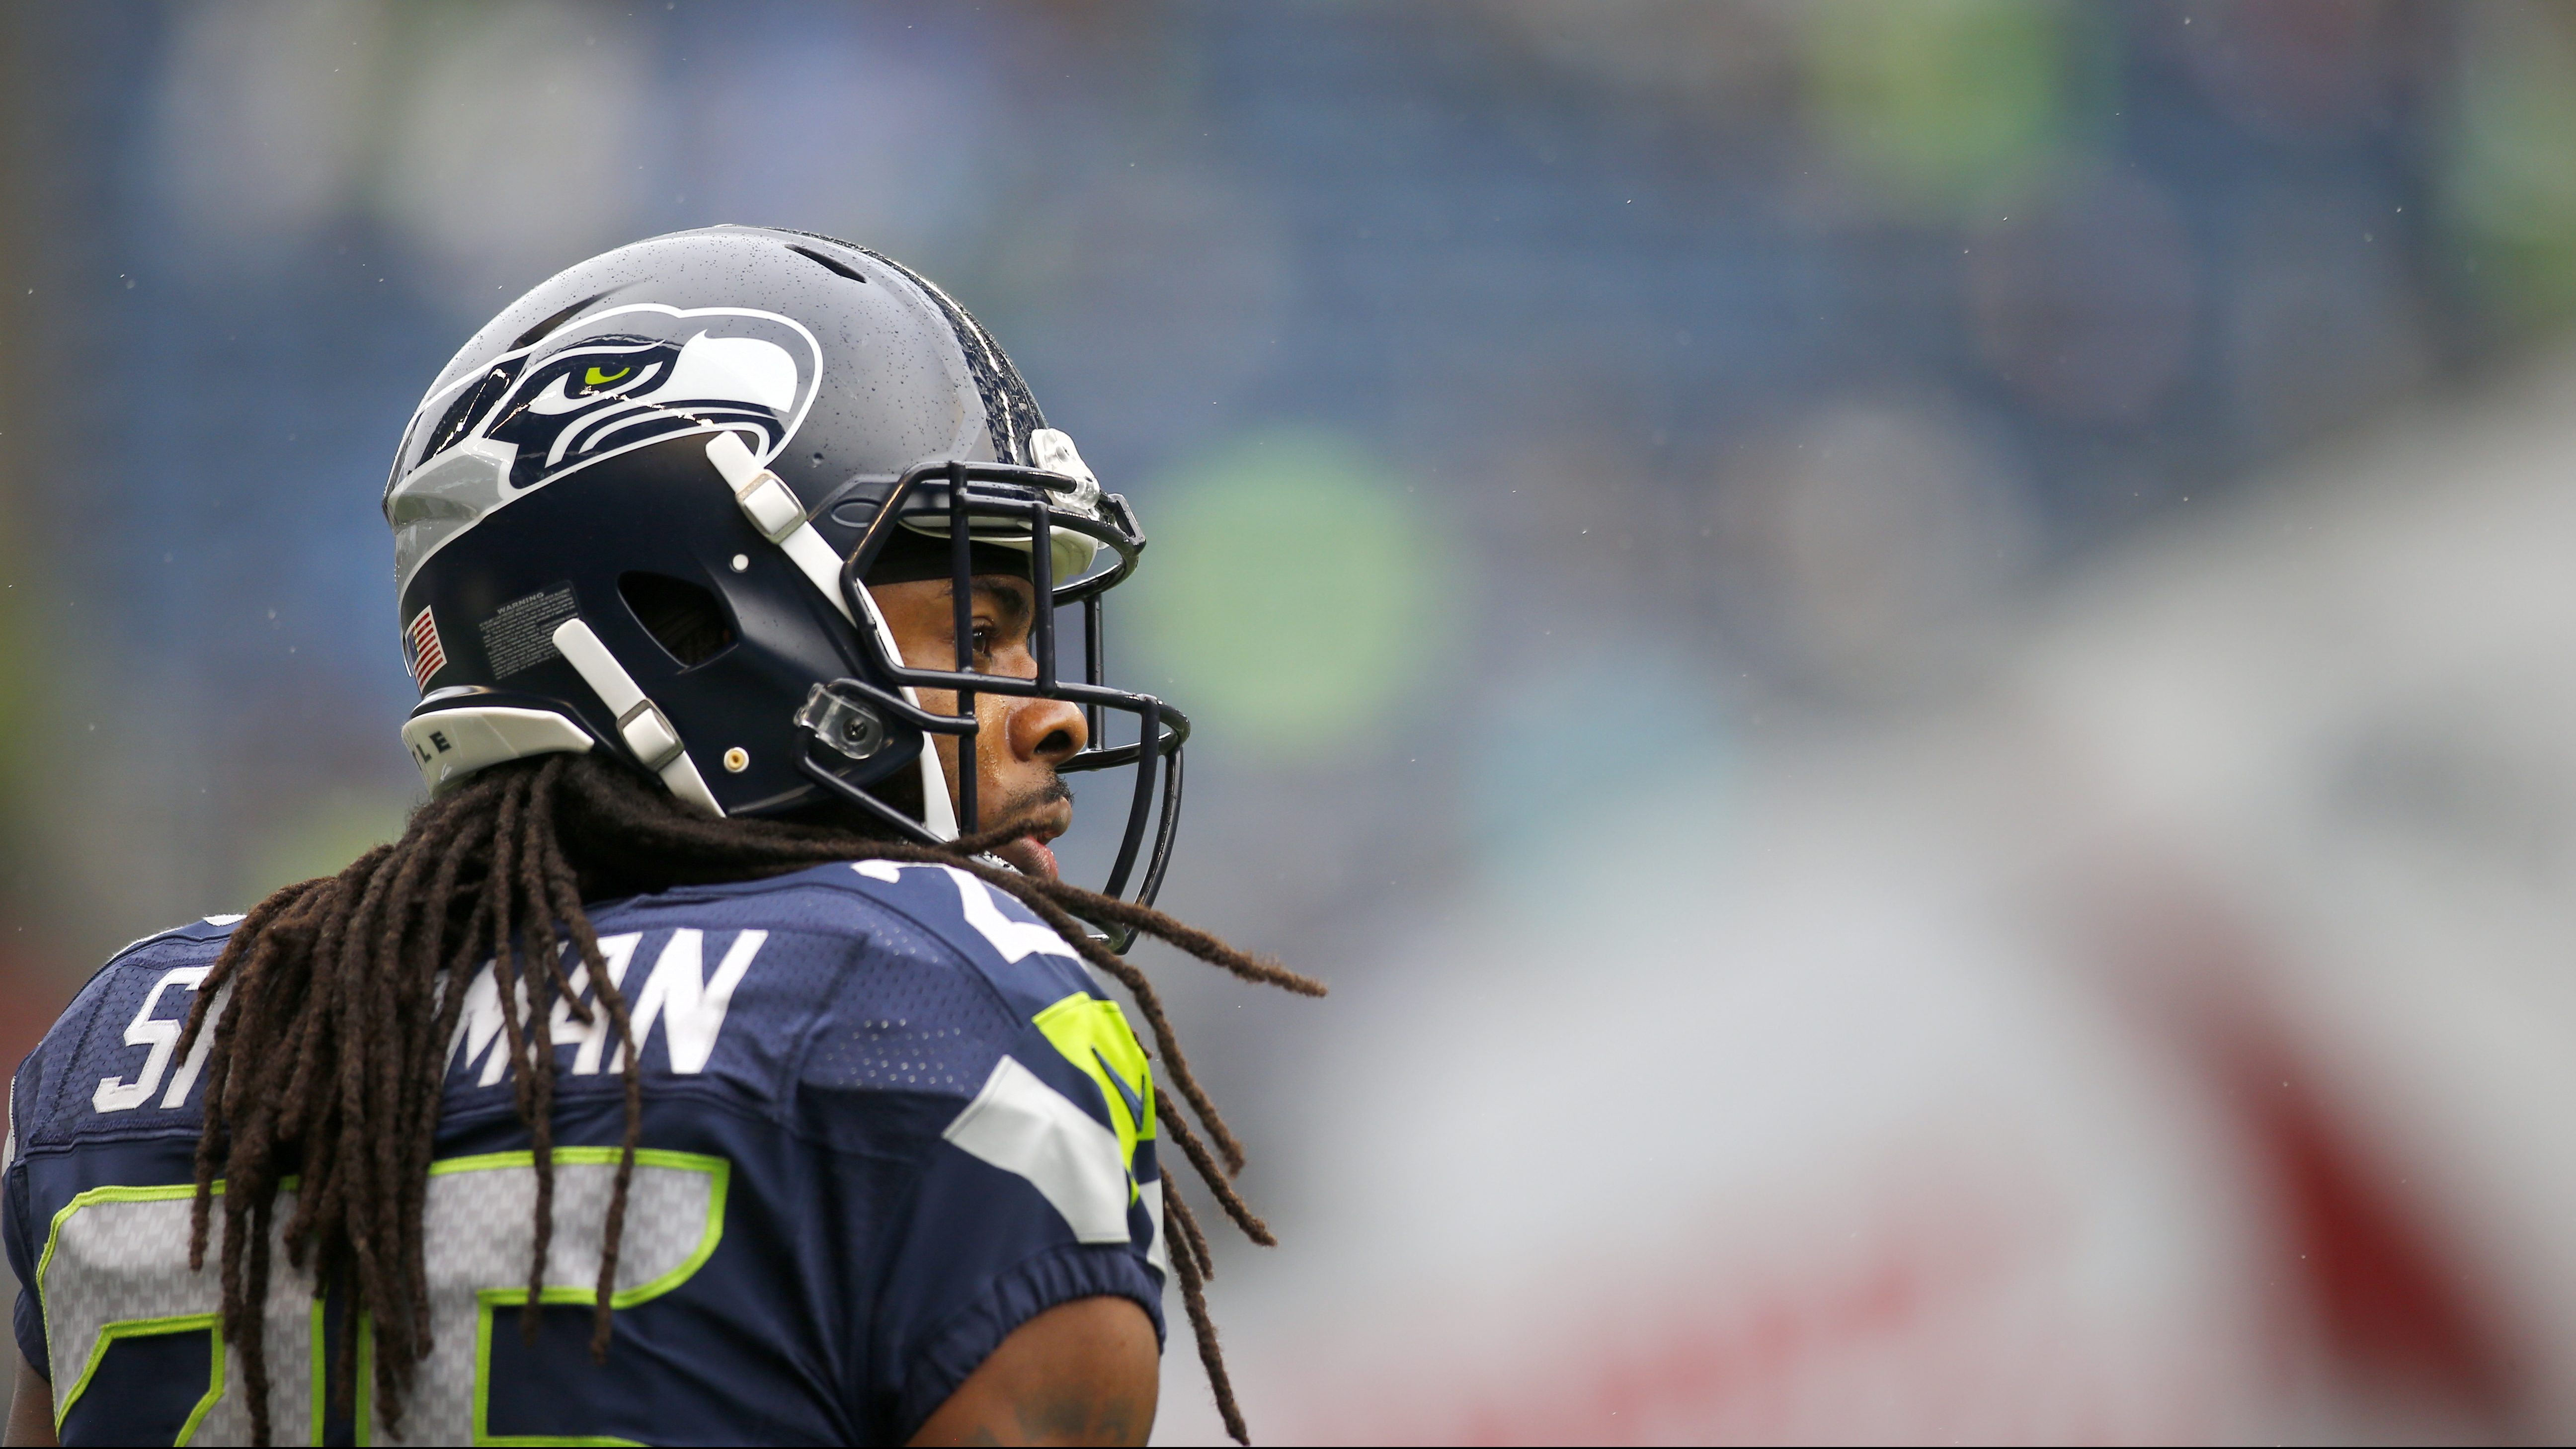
637,513
972,503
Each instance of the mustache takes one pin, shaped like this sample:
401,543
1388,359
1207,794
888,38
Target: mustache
1054,792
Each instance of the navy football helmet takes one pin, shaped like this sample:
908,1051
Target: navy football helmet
636,513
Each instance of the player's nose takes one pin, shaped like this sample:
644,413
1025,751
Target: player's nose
1047,731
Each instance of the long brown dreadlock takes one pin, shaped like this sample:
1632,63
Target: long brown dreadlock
345,992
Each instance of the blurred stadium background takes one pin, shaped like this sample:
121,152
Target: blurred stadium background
1914,666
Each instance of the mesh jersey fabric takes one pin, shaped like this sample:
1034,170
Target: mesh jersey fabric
888,1118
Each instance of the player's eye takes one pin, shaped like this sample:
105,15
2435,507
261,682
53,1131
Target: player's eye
983,639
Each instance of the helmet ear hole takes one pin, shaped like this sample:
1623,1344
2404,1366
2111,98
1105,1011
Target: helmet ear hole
682,617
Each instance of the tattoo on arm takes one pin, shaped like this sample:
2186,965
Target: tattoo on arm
1085,1372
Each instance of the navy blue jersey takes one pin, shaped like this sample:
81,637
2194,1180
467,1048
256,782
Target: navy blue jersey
887,1119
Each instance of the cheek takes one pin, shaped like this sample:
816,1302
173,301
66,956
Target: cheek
1016,661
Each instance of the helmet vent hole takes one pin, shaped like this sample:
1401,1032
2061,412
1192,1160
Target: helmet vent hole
827,263
683,618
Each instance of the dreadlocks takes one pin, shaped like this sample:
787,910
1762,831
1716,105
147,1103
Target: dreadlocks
344,993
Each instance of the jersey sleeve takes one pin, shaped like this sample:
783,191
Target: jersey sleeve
1026,1202
1028,1177
40,1171
17,1234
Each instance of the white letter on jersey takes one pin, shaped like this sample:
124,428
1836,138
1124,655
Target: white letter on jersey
196,1062
616,952
678,994
478,1026
162,1036
691,1006
1014,939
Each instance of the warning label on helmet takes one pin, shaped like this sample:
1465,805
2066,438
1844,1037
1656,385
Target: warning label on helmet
521,633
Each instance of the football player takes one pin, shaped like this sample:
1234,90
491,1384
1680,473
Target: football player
714,1057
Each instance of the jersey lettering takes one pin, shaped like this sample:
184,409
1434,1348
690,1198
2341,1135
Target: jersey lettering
932,1121
689,1005
1014,939
161,1034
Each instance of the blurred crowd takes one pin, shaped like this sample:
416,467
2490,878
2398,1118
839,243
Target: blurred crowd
1908,661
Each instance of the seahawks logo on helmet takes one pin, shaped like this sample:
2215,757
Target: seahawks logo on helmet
605,385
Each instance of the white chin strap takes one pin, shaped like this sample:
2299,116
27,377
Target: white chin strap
773,508
640,722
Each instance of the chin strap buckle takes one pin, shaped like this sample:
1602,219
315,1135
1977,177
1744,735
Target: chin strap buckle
648,732
641,725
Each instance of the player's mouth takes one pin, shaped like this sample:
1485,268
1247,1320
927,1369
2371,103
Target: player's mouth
1028,854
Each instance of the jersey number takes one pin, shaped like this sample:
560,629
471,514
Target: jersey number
115,1274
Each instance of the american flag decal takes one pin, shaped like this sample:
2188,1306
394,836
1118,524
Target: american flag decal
421,647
